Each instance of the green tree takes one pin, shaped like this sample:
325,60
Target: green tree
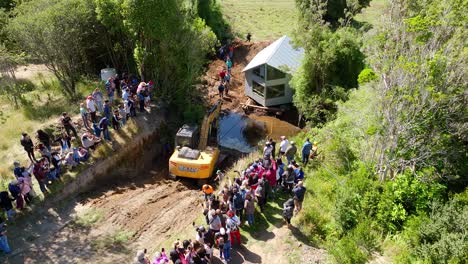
9,86
116,39
57,32
423,90
170,46
335,12
330,67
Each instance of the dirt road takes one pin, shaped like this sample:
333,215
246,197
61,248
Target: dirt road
108,225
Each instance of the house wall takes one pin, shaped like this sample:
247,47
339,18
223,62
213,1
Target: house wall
287,98
249,77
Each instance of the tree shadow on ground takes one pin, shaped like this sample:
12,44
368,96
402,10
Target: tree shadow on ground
239,254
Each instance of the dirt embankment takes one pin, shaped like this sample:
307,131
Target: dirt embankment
244,52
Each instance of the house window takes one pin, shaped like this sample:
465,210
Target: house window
258,88
260,71
275,91
274,74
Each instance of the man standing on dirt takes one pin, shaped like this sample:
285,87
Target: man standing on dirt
306,148
231,51
221,90
248,37
283,146
222,74
98,99
227,81
28,146
67,124
91,106
229,64
104,126
299,193
273,145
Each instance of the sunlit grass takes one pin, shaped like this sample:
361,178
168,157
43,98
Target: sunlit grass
264,19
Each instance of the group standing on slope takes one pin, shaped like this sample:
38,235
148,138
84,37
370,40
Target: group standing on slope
52,154
235,205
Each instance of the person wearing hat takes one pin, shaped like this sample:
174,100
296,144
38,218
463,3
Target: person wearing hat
28,146
91,106
291,152
219,176
284,144
268,149
141,257
232,225
306,148
314,150
224,244
299,193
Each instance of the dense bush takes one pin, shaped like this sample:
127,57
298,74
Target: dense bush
440,236
405,196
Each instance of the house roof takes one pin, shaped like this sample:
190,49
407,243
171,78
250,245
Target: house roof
278,54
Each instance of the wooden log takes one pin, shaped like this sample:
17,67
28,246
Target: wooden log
263,107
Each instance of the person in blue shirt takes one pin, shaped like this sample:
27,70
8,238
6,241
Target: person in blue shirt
306,151
107,110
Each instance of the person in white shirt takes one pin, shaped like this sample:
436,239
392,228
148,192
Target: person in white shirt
283,145
91,106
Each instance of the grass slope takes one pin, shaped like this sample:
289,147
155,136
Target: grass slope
264,19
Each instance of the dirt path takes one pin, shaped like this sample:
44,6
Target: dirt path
107,226
243,54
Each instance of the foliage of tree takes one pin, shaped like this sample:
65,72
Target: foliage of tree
210,11
330,67
395,156
58,33
115,37
170,46
335,12
9,86
420,55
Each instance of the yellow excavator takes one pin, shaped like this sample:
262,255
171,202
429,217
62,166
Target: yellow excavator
190,160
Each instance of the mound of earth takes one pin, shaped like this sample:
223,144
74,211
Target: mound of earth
244,52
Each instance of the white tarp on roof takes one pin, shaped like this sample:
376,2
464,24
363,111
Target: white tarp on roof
278,54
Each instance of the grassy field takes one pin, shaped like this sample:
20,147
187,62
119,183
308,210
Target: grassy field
373,13
45,104
264,19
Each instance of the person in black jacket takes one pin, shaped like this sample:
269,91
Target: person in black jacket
44,138
6,204
28,146
288,211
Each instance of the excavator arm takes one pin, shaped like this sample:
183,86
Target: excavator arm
209,118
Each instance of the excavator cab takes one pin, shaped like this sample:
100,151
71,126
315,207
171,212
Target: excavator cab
187,136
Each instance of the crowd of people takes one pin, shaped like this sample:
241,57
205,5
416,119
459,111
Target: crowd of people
226,211
226,53
53,154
